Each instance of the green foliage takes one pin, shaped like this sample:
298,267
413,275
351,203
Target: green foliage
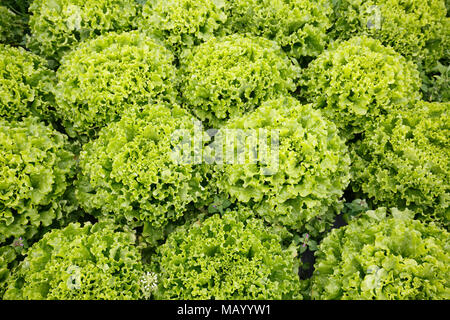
90,262
109,74
299,26
417,29
7,258
233,256
132,172
301,189
219,204
26,85
36,170
10,256
306,107
224,78
18,6
354,209
404,161
182,24
379,257
307,243
12,26
436,83
59,25
356,81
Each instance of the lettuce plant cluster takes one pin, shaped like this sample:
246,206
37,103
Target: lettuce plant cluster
224,149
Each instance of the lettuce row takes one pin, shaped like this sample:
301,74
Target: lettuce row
356,81
90,262
109,74
233,256
130,173
298,26
300,190
380,257
36,171
404,161
227,77
182,24
57,26
26,85
417,29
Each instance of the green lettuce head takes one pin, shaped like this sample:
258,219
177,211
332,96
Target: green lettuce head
132,172
36,171
417,29
90,262
404,161
26,85
57,26
227,77
386,258
356,81
293,165
109,74
299,26
233,256
182,24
